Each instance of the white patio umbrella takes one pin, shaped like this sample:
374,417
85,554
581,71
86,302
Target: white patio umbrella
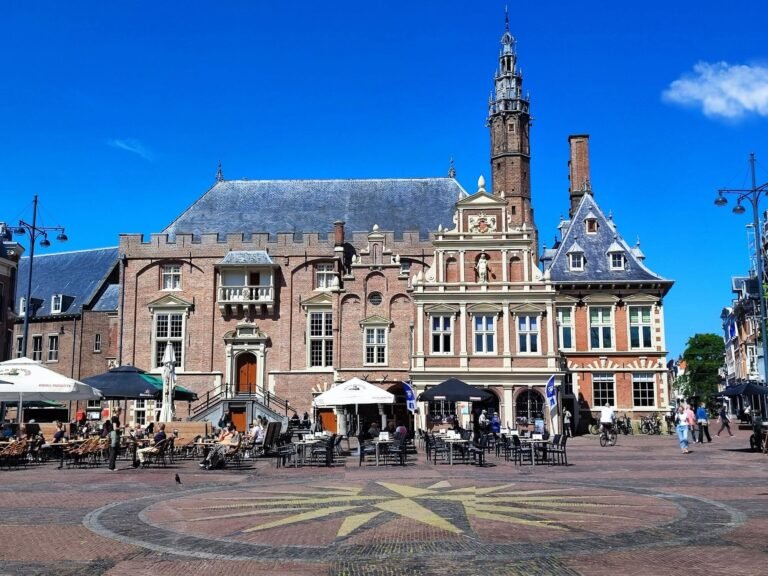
169,382
354,391
24,379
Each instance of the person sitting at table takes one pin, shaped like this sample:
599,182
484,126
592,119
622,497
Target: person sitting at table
295,419
401,431
373,430
159,437
305,421
228,443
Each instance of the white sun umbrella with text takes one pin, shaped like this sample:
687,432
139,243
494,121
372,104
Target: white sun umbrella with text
24,379
169,382
354,391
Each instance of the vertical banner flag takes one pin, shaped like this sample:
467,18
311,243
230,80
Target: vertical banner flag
551,393
410,397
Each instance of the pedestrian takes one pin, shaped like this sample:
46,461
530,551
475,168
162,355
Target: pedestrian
690,416
702,418
724,421
114,443
681,419
567,423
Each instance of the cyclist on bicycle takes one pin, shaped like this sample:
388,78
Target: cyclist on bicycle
607,417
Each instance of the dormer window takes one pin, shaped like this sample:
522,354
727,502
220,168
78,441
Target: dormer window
591,225
576,261
617,260
56,301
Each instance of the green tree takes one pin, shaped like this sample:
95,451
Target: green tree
704,355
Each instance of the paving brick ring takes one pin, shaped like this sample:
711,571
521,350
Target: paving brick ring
369,520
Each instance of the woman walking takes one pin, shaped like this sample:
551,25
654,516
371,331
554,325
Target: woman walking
724,421
681,420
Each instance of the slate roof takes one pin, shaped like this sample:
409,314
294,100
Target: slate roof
596,248
108,301
299,206
234,257
79,276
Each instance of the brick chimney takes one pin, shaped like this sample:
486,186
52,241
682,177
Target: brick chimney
338,233
578,170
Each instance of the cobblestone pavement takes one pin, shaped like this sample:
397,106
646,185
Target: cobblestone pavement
640,507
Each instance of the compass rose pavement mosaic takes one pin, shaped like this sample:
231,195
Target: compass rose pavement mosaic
635,508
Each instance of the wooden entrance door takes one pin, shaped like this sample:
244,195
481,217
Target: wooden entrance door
246,374
238,418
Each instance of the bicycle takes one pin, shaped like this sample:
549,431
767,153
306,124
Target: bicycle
607,436
624,425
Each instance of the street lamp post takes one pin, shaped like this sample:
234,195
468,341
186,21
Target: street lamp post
35,232
752,195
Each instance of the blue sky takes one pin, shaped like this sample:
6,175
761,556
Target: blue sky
117,113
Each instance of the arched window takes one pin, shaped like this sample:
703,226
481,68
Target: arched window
529,406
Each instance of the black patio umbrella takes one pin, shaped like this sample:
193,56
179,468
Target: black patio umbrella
454,390
746,389
131,383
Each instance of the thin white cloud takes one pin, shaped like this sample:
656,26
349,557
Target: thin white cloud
722,90
131,145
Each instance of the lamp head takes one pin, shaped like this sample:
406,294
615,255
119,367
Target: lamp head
739,209
721,200
20,231
45,242
62,237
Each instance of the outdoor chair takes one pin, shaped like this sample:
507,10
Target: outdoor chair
324,451
158,454
399,450
439,448
286,454
521,452
477,450
558,451
366,449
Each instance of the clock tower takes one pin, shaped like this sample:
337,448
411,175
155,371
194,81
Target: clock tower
509,120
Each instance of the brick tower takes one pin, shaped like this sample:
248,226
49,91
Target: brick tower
509,121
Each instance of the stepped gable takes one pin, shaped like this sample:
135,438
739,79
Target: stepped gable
78,276
596,247
302,206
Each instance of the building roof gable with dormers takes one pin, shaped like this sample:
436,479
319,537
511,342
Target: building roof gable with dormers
81,277
597,244
299,206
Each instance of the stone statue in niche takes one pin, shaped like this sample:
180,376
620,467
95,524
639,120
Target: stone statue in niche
482,269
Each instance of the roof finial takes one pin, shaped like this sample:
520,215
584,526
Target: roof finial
219,173
451,169
481,184
506,18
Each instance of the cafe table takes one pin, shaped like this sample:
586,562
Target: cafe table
377,442
301,448
533,442
451,442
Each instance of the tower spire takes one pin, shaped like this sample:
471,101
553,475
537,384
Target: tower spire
509,120
219,173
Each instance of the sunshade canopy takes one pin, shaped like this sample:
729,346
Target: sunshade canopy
454,390
132,383
746,389
354,391
34,382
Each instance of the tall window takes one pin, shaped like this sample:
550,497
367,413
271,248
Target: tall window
320,339
565,327
603,389
640,327
169,327
37,348
375,345
56,303
528,334
324,275
97,342
643,389
405,267
140,412
22,306
485,334
172,277
53,348
442,334
19,346
600,327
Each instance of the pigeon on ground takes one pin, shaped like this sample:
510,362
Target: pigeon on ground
178,480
